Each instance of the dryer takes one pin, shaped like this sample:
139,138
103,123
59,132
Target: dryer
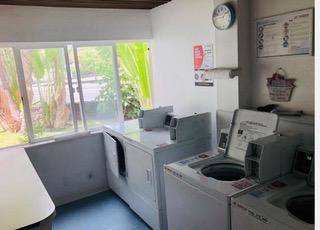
114,139
115,158
199,189
145,153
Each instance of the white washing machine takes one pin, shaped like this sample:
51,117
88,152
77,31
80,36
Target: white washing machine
286,203
199,189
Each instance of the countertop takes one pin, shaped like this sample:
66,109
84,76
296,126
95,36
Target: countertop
23,198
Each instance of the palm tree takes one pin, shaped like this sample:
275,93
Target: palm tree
135,63
10,100
49,72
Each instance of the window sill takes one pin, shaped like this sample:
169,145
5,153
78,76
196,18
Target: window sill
51,140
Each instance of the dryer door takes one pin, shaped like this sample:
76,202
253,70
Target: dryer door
111,154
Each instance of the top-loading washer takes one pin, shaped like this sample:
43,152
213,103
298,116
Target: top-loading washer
286,203
199,189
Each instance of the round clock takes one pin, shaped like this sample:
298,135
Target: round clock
223,16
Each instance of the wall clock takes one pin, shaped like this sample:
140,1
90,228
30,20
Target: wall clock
223,16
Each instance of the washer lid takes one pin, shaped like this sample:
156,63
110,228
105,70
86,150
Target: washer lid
246,126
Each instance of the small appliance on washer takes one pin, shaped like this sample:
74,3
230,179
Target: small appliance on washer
286,203
199,189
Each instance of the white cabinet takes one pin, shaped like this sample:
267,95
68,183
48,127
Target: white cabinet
140,173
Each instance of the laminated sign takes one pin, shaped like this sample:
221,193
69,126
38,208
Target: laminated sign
285,34
203,60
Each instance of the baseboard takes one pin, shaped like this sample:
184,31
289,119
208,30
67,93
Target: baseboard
74,197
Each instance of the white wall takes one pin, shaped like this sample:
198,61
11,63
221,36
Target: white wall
72,169
177,27
232,50
29,24
180,24
299,67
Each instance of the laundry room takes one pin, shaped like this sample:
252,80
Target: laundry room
159,114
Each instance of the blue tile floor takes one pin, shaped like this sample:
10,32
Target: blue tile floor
104,211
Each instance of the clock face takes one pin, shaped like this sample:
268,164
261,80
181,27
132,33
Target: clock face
223,16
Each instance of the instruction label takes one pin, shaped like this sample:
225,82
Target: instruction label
285,34
248,131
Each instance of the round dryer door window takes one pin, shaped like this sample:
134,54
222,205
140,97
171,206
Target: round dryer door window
224,171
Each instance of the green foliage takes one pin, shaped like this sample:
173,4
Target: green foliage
99,61
37,65
48,68
38,129
41,68
134,71
96,60
131,104
134,63
10,139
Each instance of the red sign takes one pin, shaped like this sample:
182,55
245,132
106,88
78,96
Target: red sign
198,54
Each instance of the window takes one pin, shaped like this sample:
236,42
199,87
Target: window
12,128
99,86
47,91
46,81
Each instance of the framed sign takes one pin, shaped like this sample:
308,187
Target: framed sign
285,34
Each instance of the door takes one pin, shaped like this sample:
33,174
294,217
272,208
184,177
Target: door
111,154
140,173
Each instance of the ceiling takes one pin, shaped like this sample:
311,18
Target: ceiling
115,4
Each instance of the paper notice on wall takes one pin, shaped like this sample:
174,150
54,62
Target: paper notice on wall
202,79
203,57
286,34
203,60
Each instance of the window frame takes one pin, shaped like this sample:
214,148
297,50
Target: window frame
24,94
17,47
116,76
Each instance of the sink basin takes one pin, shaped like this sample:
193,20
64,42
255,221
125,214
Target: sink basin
302,207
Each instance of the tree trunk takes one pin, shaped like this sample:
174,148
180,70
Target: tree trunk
62,111
27,71
9,112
